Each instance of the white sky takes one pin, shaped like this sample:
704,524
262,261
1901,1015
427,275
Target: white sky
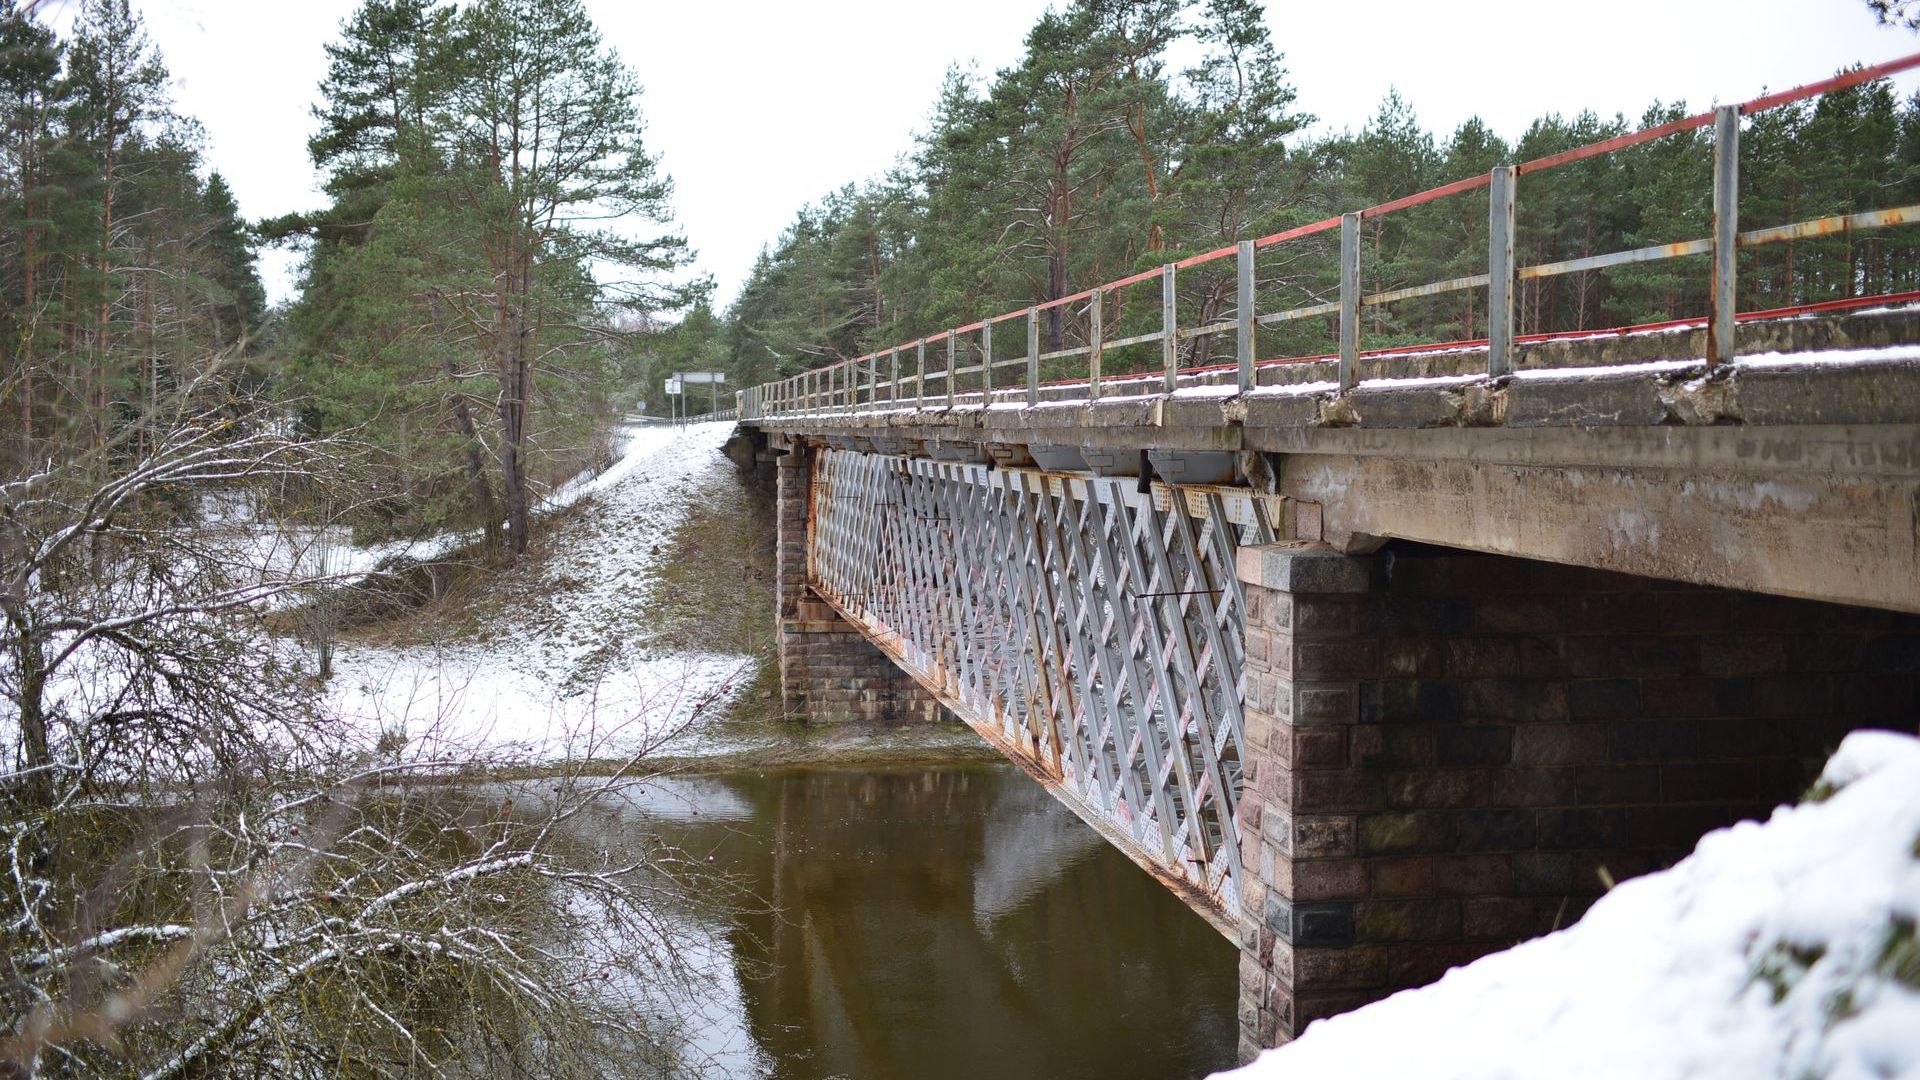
759,107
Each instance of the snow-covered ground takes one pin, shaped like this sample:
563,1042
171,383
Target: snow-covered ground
567,667
269,550
1785,949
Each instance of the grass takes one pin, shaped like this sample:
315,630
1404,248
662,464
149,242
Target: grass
714,588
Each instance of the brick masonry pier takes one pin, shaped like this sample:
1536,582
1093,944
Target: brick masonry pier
1448,753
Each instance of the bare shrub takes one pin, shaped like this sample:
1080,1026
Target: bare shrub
201,873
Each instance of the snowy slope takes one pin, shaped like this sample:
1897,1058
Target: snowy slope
567,669
1784,949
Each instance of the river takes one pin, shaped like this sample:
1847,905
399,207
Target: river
933,922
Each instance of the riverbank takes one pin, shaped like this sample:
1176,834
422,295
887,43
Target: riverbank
639,625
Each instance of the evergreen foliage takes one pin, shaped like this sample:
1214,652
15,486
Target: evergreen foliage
122,269
1098,155
466,289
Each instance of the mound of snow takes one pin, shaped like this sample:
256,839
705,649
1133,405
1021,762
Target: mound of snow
1784,949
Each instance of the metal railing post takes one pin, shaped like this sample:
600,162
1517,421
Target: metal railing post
893,375
920,380
986,362
1726,233
1243,304
1500,271
1093,351
1349,299
953,346
1169,329
873,380
1033,357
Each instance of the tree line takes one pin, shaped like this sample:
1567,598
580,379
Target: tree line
124,264
496,239
1133,133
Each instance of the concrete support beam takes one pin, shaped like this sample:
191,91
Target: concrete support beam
1849,539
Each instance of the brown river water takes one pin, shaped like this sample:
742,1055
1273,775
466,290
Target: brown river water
934,922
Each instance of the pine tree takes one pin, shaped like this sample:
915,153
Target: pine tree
116,89
240,304
548,122
30,100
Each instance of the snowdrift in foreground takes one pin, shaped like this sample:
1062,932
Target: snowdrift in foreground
1785,949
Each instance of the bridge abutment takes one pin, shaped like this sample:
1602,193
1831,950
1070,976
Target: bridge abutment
1447,753
829,672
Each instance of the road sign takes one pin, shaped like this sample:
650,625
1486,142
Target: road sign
702,378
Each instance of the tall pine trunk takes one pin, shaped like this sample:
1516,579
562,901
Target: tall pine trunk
36,751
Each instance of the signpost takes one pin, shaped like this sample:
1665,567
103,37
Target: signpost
712,379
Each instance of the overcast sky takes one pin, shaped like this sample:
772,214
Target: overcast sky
759,107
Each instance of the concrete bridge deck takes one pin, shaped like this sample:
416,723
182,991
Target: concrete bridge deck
1615,453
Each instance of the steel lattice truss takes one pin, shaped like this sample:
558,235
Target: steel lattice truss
1091,631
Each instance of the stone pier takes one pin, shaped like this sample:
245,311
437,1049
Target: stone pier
829,672
1448,753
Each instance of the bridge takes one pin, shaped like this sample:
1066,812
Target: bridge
1381,659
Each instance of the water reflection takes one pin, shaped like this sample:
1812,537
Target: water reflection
943,923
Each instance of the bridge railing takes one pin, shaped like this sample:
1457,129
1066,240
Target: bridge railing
900,377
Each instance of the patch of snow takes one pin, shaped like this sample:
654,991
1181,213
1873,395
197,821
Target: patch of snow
1295,389
1763,954
1650,367
459,702
1208,391
1418,381
1827,356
